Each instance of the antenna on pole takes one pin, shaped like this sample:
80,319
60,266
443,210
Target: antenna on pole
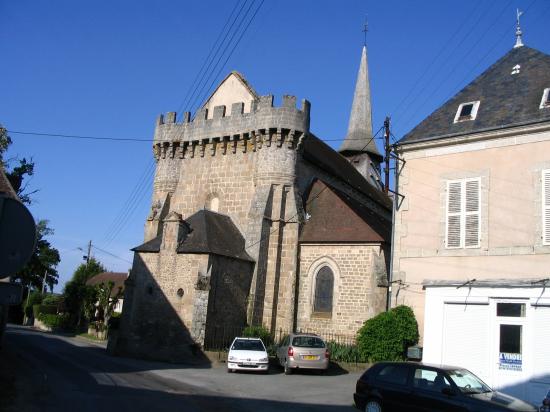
519,41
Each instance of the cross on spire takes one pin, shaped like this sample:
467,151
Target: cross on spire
519,41
365,30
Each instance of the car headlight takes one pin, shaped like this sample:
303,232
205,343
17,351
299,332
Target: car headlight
232,358
263,359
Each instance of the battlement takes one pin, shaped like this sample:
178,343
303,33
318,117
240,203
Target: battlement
263,116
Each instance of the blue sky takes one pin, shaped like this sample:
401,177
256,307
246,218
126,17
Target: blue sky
108,68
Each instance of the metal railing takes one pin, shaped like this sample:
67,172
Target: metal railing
220,338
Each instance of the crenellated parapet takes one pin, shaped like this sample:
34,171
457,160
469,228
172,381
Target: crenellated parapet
264,125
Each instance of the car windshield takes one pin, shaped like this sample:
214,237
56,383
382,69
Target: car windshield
467,382
245,344
308,342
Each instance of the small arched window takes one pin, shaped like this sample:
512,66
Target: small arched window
324,286
212,203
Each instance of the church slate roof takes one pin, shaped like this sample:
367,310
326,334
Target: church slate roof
336,217
319,153
211,233
359,137
506,99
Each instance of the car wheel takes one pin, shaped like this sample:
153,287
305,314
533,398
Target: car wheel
229,370
288,370
373,406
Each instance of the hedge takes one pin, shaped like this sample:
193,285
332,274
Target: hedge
345,353
258,332
387,336
55,321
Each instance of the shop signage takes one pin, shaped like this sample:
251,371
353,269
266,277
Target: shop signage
510,361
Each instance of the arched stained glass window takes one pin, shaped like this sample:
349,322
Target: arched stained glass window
324,286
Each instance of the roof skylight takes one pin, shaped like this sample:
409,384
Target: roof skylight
545,101
466,111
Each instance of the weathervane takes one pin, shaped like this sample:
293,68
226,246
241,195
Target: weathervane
519,42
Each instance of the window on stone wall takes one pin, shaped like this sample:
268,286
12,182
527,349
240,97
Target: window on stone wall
213,203
324,286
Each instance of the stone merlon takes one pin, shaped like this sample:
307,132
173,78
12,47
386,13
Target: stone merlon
262,116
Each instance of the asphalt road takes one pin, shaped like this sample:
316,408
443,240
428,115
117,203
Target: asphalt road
63,373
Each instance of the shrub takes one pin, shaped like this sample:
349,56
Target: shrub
45,309
55,321
258,332
345,353
52,300
387,336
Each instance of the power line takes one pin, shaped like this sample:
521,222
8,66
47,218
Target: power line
131,198
445,79
111,254
140,190
122,139
289,220
73,136
246,26
188,95
431,64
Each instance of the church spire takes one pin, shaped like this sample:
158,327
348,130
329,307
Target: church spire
359,138
519,41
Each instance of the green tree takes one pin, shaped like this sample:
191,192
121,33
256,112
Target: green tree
42,263
45,259
77,294
107,298
16,175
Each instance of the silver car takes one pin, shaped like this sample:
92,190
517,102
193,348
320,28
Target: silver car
303,351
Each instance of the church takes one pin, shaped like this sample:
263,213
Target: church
256,221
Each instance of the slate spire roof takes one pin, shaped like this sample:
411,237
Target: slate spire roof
359,137
509,94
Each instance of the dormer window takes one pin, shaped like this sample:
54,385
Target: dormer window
545,102
466,111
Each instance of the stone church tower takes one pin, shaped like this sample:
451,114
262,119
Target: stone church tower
254,220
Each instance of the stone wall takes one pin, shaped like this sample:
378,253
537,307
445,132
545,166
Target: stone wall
156,321
228,296
356,296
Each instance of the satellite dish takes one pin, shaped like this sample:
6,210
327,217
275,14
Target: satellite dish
17,235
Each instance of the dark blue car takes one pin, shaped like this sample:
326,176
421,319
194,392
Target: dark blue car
408,386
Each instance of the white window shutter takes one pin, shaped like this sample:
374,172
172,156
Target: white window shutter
472,213
454,218
546,207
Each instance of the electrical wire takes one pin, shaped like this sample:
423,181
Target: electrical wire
120,139
445,47
210,58
143,179
246,27
445,79
73,136
110,254
142,189
290,220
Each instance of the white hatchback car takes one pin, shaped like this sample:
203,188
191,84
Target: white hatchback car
247,354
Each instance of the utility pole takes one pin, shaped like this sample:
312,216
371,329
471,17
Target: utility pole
387,148
44,280
88,255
